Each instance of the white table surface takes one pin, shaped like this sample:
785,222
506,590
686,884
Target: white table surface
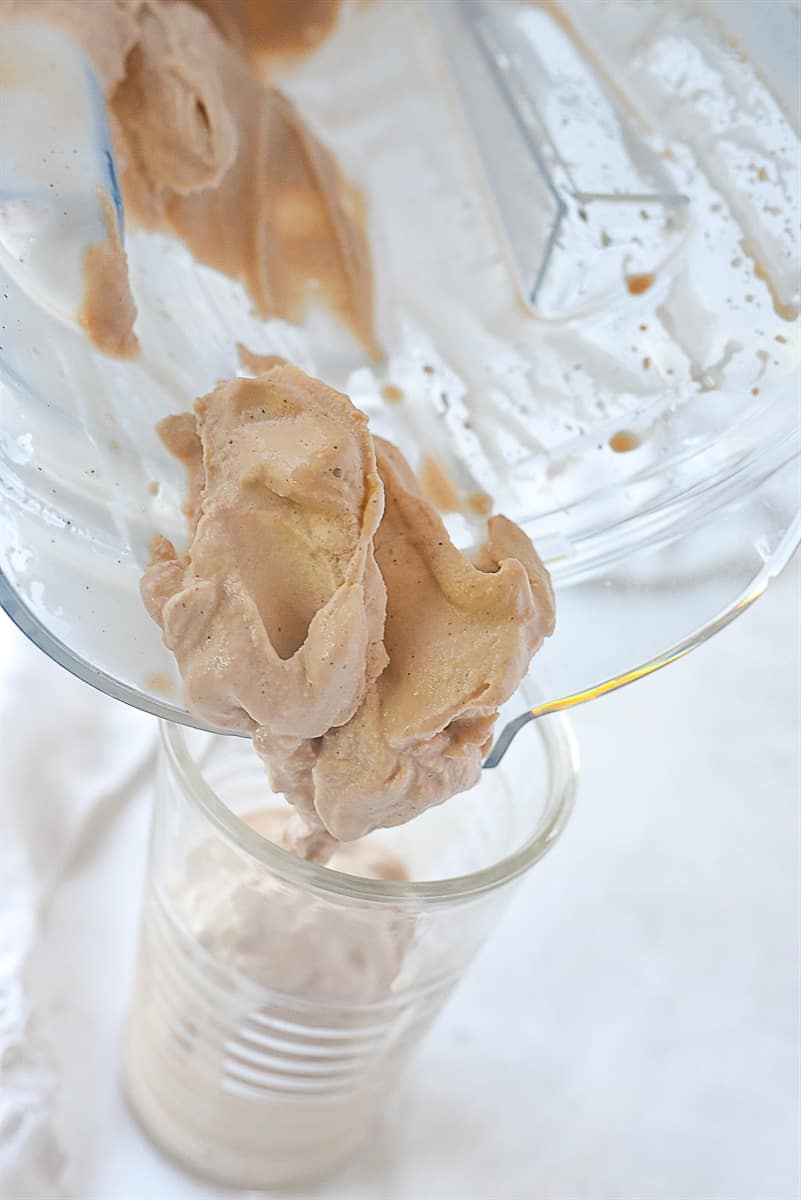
630,1033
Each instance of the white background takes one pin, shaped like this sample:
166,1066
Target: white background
630,1033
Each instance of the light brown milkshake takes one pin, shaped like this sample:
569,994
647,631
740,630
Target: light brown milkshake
322,607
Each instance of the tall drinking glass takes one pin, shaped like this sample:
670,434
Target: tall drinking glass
276,1001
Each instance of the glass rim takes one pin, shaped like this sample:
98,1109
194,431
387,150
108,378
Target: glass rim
562,758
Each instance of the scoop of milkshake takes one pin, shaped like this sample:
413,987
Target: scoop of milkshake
329,614
279,937
276,614
459,636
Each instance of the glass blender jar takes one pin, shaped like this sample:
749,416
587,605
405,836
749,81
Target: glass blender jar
584,225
